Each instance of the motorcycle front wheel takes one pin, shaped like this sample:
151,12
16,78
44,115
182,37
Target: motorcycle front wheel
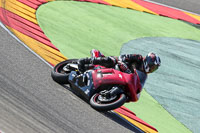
101,103
60,75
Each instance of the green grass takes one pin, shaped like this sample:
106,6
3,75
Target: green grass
77,27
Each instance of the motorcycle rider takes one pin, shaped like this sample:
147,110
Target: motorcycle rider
126,63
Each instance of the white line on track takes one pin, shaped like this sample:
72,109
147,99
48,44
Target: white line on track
50,64
3,26
170,7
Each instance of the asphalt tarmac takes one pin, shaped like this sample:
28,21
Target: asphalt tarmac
188,5
30,101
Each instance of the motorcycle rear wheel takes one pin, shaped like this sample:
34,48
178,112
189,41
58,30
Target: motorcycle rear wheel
59,75
117,102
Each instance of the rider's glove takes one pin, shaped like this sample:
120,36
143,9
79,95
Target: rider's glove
123,67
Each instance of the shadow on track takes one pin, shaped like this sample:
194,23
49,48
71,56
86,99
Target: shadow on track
110,114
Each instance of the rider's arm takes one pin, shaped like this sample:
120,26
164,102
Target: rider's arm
123,67
131,58
109,61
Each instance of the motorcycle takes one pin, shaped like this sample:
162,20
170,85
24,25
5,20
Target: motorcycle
104,88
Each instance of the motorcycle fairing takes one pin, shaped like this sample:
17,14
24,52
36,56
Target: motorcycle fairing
112,76
82,83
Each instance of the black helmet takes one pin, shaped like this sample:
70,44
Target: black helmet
151,62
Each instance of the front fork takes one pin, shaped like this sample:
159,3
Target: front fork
112,92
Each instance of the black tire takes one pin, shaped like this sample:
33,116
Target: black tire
57,73
116,103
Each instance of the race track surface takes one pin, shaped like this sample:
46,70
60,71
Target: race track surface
188,5
31,102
